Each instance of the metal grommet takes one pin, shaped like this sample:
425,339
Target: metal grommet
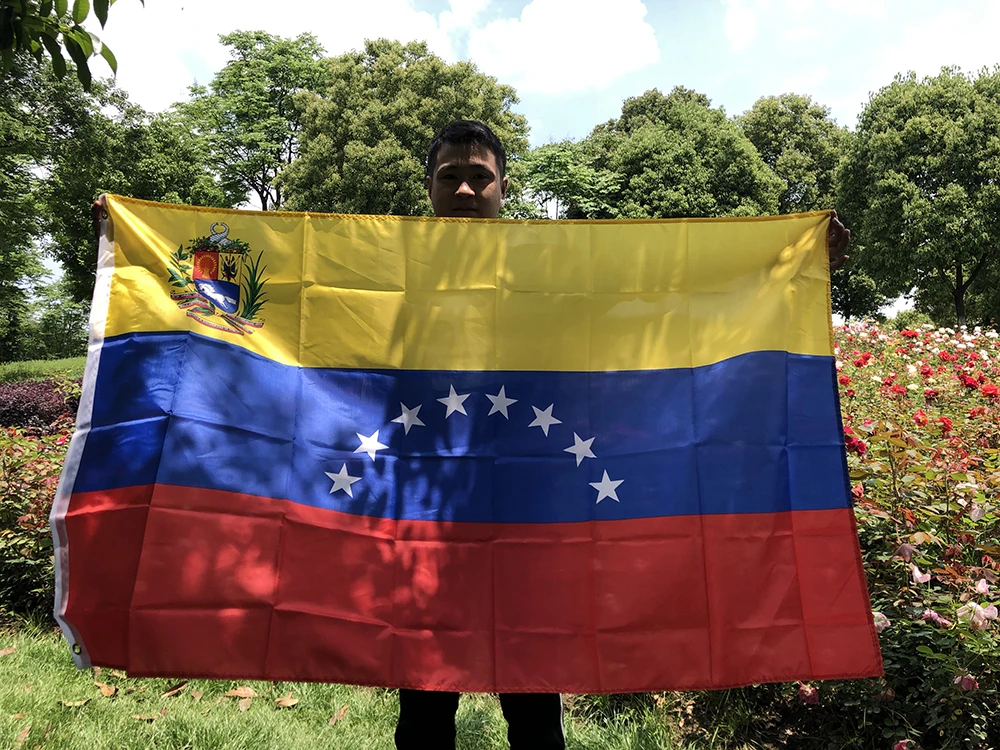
104,213
77,649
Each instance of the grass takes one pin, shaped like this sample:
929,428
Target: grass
40,369
38,675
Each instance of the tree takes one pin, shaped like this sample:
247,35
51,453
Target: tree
674,155
365,138
920,186
557,173
22,144
108,144
248,111
799,141
36,27
56,325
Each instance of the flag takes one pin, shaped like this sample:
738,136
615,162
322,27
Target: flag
467,455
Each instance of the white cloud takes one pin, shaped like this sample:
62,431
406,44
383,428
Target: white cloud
559,46
961,35
740,23
162,47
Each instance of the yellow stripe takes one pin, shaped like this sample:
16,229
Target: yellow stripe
439,294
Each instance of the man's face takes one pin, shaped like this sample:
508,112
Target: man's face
466,181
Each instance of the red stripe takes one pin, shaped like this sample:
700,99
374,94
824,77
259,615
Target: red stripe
283,591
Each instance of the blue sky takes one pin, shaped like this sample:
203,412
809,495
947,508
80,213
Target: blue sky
573,62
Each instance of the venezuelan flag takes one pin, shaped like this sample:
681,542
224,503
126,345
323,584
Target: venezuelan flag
466,455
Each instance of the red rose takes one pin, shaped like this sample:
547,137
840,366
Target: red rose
919,417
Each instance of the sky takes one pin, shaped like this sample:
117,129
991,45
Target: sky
573,62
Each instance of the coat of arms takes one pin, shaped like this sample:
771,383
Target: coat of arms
218,282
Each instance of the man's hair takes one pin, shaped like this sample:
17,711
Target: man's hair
466,133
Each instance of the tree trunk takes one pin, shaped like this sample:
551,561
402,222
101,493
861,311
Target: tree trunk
959,295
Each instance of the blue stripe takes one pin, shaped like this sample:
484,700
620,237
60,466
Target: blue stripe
758,433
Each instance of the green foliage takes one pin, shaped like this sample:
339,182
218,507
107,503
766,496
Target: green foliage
558,172
910,319
41,26
68,368
57,325
854,294
248,112
22,138
797,139
365,138
673,156
919,188
30,462
115,146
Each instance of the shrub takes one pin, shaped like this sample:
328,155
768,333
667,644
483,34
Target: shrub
30,463
910,319
38,403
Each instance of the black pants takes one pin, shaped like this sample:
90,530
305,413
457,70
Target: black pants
427,720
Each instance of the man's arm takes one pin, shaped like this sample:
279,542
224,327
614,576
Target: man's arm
837,240
97,209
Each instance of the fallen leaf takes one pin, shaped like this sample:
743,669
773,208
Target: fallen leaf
341,713
148,718
22,736
287,702
196,694
76,704
269,689
245,703
28,688
108,691
163,712
97,672
242,692
177,689
220,699
116,673
17,716
7,651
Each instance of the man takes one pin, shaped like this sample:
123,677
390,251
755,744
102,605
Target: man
466,176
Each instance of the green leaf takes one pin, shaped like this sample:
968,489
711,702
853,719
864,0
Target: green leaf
108,55
82,38
80,10
61,8
58,63
101,11
82,71
45,8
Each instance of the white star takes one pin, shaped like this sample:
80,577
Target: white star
606,487
544,419
369,445
342,481
409,418
500,403
454,402
581,449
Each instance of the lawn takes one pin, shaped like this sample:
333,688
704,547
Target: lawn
40,369
46,702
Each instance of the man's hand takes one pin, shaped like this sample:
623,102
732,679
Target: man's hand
837,240
97,212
